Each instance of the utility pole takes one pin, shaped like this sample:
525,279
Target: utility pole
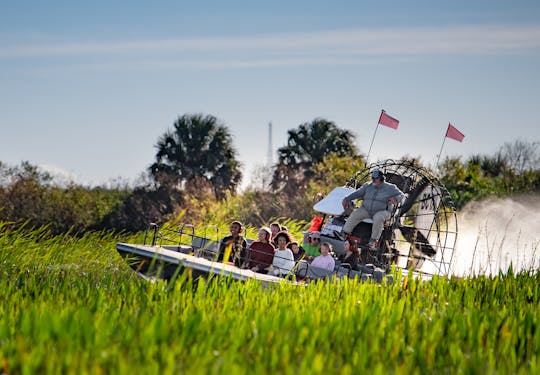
269,160
266,175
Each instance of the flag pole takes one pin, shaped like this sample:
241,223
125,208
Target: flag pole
373,139
440,152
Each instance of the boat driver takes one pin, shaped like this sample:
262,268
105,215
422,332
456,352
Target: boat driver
378,201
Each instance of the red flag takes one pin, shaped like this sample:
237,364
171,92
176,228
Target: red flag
388,120
453,133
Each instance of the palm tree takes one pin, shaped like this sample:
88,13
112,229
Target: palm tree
306,146
197,152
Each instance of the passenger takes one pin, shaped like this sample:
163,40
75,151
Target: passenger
378,201
312,248
283,257
275,228
237,250
298,252
317,221
261,252
351,254
325,260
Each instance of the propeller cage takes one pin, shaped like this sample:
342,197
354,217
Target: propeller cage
422,231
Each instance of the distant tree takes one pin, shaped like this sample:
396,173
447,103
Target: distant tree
29,195
308,145
464,181
197,154
483,176
521,156
24,171
490,166
333,171
141,207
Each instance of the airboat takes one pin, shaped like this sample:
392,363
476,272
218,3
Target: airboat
420,237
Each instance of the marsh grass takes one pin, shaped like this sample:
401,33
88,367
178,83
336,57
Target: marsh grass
70,305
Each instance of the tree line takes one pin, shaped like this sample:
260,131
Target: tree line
196,175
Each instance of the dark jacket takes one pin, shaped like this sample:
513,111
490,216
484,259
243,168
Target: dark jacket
352,260
238,251
301,254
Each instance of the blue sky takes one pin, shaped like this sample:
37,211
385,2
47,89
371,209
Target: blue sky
86,88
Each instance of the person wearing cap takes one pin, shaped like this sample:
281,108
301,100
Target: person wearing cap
378,201
313,245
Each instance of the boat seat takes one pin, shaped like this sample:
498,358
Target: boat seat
305,270
204,243
184,249
343,270
205,247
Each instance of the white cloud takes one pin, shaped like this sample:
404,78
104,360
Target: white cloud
338,43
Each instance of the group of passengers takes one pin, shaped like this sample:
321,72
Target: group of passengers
326,259
275,252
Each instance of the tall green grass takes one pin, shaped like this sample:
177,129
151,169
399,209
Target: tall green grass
70,305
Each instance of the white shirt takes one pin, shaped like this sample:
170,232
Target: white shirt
283,262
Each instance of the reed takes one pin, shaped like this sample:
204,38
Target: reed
70,305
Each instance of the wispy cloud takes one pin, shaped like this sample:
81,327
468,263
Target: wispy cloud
60,175
299,48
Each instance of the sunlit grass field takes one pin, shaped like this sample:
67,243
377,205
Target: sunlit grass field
71,305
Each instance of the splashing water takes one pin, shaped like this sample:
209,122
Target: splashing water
495,234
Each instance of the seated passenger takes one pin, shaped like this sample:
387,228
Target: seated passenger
275,228
283,258
325,260
313,245
351,254
233,247
261,252
298,252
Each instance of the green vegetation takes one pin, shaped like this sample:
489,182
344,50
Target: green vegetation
71,305
196,175
514,169
198,154
307,146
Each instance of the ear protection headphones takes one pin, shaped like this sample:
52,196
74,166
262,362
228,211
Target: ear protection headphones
377,174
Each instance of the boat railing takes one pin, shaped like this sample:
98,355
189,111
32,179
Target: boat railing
152,230
184,239
205,246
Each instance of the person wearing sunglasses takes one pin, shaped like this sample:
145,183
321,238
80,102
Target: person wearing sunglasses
313,245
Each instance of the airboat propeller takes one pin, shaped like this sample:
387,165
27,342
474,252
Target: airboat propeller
422,232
